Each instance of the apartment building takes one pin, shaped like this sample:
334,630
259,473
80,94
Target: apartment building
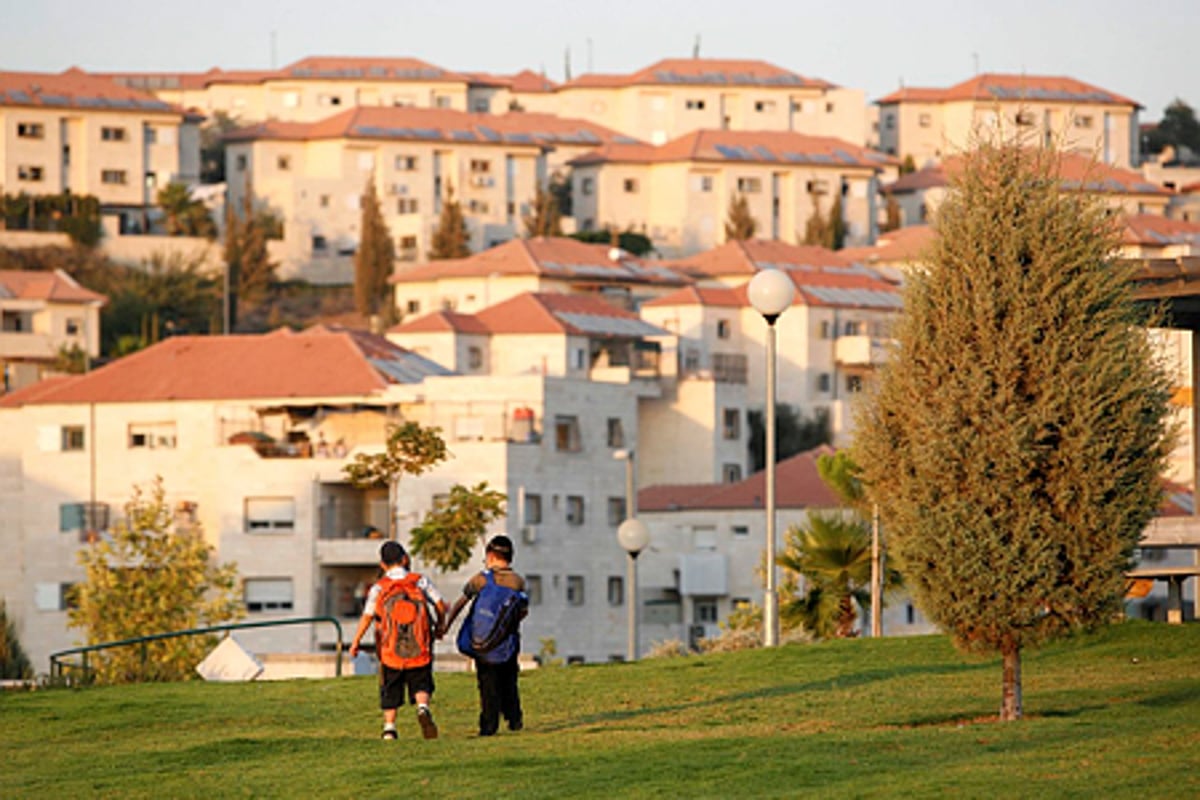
539,264
313,175
42,314
918,194
679,193
676,96
829,342
931,124
76,132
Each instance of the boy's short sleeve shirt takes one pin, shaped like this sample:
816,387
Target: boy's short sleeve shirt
396,573
504,576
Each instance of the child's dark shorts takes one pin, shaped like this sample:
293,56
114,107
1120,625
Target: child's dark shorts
393,682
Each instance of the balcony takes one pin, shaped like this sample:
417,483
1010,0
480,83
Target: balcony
719,367
353,523
860,351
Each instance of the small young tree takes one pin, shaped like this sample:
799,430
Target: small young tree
835,237
14,664
152,575
816,228
448,534
183,215
892,213
1015,440
375,258
411,449
739,223
249,263
543,218
451,238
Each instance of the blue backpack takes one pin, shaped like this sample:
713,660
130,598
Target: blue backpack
489,632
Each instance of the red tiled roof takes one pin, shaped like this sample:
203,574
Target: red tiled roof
1076,170
549,312
783,148
30,395
927,177
75,88
526,81
832,287
702,72
56,286
749,256
902,244
550,257
316,363
437,124
1153,229
797,485
716,297
368,68
993,87
441,322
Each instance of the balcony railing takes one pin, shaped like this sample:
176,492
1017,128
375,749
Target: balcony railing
860,351
720,367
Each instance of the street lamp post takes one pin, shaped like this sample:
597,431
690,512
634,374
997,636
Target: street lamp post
770,292
633,536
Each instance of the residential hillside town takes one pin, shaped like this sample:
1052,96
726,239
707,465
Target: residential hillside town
587,382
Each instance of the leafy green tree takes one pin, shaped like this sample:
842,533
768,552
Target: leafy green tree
153,574
836,236
826,231
908,165
451,238
560,189
543,218
72,360
833,554
794,431
14,664
739,223
184,216
1015,441
448,534
375,258
637,244
1178,128
410,449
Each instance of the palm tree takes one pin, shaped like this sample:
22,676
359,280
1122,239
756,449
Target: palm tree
833,554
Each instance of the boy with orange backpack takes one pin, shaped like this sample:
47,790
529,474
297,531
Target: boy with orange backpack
399,604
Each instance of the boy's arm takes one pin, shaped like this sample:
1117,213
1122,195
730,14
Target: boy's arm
454,610
363,623
440,628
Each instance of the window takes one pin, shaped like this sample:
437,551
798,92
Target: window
291,99
854,383
566,434
829,108
705,184
329,100
824,382
406,205
481,166
72,438
112,134
74,326
442,101
533,588
31,130
733,423
575,590
533,509
580,358
853,327
731,473
798,106
319,243
53,596
695,104
240,165
889,122
587,186
826,329
630,185
481,105
749,185
741,530
83,518
265,514
413,307
1084,121
616,590
764,106
29,172
616,432
817,187
474,357
478,206
406,163
409,243
322,201
264,595
574,509
706,611
723,329
616,511
152,436
283,163
117,177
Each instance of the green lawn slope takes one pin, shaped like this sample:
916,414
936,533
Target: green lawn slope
1116,714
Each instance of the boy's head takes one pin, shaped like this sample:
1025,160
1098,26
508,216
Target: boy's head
501,547
392,554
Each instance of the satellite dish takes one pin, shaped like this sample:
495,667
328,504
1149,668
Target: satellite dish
615,254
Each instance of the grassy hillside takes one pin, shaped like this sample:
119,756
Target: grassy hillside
1114,714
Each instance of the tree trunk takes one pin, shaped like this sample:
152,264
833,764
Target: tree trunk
1010,703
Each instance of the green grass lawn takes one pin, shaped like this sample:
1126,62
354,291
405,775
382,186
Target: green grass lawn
1112,715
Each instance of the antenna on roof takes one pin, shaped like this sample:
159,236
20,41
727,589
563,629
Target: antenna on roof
975,61
696,47
567,63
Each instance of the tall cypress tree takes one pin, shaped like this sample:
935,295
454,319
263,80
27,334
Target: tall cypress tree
375,258
543,218
451,238
1014,442
739,223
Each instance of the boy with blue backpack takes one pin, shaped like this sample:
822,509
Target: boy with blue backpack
490,635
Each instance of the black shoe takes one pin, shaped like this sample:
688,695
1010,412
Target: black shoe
515,724
487,733
389,733
428,726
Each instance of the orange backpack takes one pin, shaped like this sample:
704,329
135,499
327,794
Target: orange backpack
403,636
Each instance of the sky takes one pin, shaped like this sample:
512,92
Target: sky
1143,51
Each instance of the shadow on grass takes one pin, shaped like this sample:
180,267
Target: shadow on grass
840,683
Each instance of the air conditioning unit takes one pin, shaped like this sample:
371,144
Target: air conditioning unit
399,189
529,534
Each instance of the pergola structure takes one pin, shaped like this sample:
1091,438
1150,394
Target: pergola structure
1175,283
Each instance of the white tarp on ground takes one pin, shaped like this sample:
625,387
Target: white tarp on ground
229,661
